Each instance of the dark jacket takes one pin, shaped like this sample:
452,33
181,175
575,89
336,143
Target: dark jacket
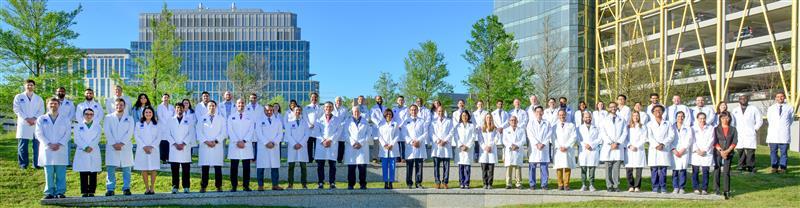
725,141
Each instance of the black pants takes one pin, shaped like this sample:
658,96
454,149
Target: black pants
303,173
747,159
310,147
722,174
340,155
444,165
163,149
88,182
634,176
321,171
182,176
413,168
217,176
235,173
362,175
488,173
401,147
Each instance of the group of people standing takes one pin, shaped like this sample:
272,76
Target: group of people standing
142,136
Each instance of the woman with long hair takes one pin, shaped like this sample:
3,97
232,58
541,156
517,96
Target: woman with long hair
147,158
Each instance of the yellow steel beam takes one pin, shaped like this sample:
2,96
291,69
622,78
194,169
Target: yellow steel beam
794,67
729,73
775,50
677,53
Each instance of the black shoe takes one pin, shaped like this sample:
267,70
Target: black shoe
247,189
545,188
410,187
49,196
363,188
61,196
91,195
84,195
349,188
508,187
333,186
305,186
385,185
419,186
126,192
109,193
391,186
233,190
320,186
727,195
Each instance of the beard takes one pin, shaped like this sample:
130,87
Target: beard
61,96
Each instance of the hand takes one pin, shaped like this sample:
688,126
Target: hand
298,146
311,126
514,147
389,147
31,121
701,153
660,147
500,129
88,150
487,149
210,144
240,144
588,147
415,144
677,153
632,148
270,145
179,146
327,143
614,146
562,149
148,149
540,146
54,147
440,143
357,146
463,148
118,146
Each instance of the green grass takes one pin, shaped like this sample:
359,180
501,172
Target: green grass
23,188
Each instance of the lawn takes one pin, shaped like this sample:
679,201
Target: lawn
23,188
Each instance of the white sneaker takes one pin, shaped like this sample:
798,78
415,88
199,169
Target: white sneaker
676,191
583,188
697,192
630,189
636,190
591,188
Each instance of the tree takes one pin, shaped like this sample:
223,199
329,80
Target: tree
248,74
425,73
385,86
36,38
160,67
545,69
495,75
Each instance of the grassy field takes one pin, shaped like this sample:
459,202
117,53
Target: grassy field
23,188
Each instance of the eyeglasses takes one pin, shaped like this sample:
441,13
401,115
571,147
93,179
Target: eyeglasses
89,114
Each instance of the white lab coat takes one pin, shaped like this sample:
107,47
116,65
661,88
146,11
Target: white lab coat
578,117
522,116
516,137
749,122
327,130
598,117
488,140
240,128
25,107
500,118
416,131
297,132
704,140
85,137
539,132
67,108
222,108
478,116
268,130
551,116
53,131
119,130
660,133
400,115
95,106
215,131
589,135
684,140
192,116
456,116
711,116
359,132
388,134
164,113
610,133
637,137
147,135
624,112
565,136
179,133
442,130
254,111
376,114
672,114
650,112
780,123
112,107
643,117
464,135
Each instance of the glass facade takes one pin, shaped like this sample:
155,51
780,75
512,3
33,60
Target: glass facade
100,64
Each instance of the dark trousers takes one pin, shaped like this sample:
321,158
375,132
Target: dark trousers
747,159
303,173
217,176
441,164
273,175
235,173
401,147
362,175
22,152
697,184
488,173
413,169
163,151
778,159
634,176
321,171
722,174
180,172
678,179
310,147
340,155
658,176
88,182
463,174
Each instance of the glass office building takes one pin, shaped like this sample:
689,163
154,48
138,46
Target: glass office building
99,64
212,37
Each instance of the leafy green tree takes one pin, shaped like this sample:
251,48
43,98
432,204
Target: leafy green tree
425,73
248,74
495,74
385,86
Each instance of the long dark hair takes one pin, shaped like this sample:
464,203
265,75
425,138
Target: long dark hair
154,119
138,103
469,117
191,109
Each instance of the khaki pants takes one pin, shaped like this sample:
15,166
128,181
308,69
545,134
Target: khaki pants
563,176
515,173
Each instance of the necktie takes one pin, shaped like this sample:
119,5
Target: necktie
269,120
240,115
780,110
380,107
212,118
298,122
613,120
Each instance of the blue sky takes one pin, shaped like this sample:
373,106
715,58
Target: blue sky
352,41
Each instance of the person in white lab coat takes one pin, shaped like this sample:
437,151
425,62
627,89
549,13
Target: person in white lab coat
589,151
254,111
551,112
654,101
598,115
681,152
702,154
141,101
479,114
164,112
227,106
416,131
579,113
180,142
660,134
241,132
519,112
269,134
202,106
313,112
297,133
326,149
614,133
356,152
750,121
147,145
340,111
464,137
513,155
488,140
53,133
211,134
442,132
701,107
564,158
780,117
678,106
644,117
388,134
501,116
91,102
66,108
27,107
117,94
624,111
636,158
87,163
539,132
118,128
